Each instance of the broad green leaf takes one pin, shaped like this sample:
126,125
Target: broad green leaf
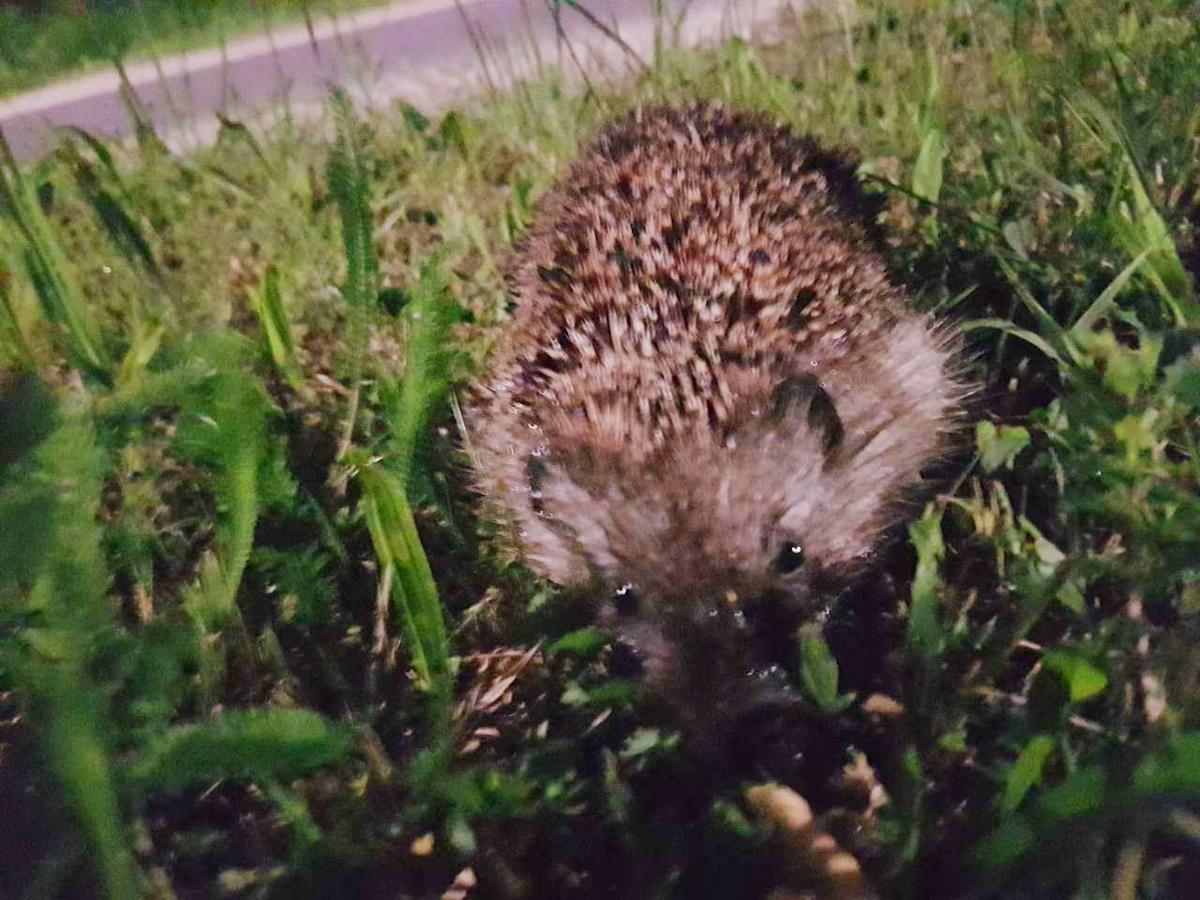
1007,844
1071,596
999,446
53,644
1174,769
1182,379
1127,370
819,671
1081,794
954,741
645,741
583,642
927,172
619,693
1026,772
1083,680
1018,236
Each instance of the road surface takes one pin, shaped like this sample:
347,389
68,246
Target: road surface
425,51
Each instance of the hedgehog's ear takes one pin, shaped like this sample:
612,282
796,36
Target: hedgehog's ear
804,393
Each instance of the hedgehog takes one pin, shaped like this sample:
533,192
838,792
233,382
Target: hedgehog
712,397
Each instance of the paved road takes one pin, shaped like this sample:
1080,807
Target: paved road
422,50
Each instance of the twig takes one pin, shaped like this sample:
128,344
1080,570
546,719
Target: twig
339,476
605,30
477,43
382,600
563,40
1128,870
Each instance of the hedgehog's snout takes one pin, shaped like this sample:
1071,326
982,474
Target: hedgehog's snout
713,677
719,630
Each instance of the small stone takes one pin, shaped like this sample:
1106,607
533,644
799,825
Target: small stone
781,806
883,705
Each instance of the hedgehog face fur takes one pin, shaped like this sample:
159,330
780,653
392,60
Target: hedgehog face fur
711,391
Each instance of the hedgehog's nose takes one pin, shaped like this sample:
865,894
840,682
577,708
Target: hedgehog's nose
730,611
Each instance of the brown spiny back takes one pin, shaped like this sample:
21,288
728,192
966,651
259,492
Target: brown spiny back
685,252
689,266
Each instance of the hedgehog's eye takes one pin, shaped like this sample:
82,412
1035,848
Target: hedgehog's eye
625,599
790,558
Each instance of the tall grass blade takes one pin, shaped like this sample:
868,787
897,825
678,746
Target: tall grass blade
1108,297
1141,229
119,225
235,132
385,502
13,348
103,154
1055,334
62,301
144,341
414,593
79,760
277,326
143,125
928,169
1024,334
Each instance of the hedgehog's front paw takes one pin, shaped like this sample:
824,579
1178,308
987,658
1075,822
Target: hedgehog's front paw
812,862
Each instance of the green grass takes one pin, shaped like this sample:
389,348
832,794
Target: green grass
35,50
270,643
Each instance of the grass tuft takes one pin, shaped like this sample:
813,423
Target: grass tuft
37,246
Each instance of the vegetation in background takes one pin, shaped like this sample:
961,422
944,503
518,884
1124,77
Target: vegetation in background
40,42
257,637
